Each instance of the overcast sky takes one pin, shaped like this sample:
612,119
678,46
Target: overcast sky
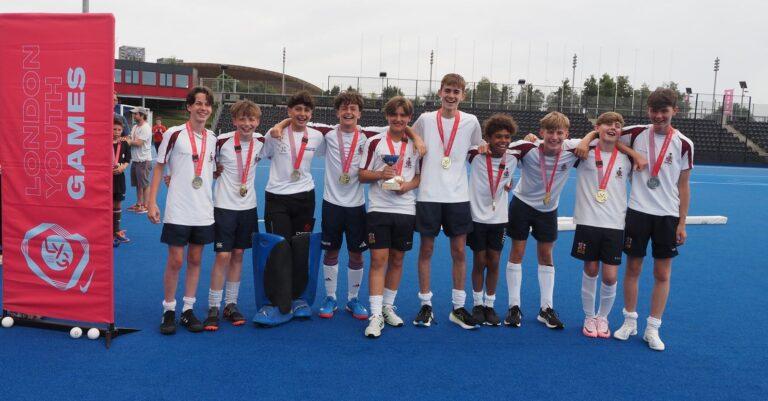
652,41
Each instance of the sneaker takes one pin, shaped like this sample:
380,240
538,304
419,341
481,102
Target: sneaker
463,318
270,316
141,210
603,330
629,328
232,314
168,325
590,327
301,309
651,336
326,310
390,317
375,325
120,236
549,318
211,323
115,242
357,309
514,317
133,208
425,317
190,321
478,314
491,318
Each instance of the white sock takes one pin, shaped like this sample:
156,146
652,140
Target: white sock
514,275
489,300
214,298
375,301
632,316
588,289
653,323
331,273
477,298
389,296
189,302
354,278
233,290
607,296
426,299
546,285
459,298
169,306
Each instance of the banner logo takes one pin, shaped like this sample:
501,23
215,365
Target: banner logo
58,257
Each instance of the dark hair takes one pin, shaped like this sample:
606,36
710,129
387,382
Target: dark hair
301,97
499,122
661,98
348,97
118,121
199,89
390,108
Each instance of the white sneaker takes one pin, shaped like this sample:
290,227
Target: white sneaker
375,324
629,328
651,336
390,317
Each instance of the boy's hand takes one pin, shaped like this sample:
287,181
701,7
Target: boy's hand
219,170
404,188
640,162
388,172
153,213
531,138
116,170
483,147
680,234
582,150
167,179
277,131
419,145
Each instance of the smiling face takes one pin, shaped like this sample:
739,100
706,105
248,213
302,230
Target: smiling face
450,96
246,124
609,132
398,120
200,110
300,114
348,114
499,141
553,139
661,118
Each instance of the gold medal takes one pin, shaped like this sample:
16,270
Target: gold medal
197,182
344,178
547,198
601,195
446,162
243,190
295,175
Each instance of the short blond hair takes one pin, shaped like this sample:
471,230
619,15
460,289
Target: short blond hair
610,117
555,120
245,108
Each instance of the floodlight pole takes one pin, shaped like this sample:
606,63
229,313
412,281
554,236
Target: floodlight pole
714,88
85,6
573,78
431,63
282,91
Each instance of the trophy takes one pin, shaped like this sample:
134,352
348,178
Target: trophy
392,184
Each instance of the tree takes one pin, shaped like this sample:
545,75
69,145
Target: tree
529,98
590,86
390,91
333,91
484,91
624,87
561,98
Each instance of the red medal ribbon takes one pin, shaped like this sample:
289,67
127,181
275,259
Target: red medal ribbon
548,185
403,145
489,169
196,159
655,167
304,141
116,159
346,162
454,130
243,170
603,178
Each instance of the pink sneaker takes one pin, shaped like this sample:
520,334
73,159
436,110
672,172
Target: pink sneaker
590,327
602,327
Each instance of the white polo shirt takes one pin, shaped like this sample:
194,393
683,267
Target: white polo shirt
531,189
480,200
227,189
610,214
281,166
664,200
384,200
439,184
185,205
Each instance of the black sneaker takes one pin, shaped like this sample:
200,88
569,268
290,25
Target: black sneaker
491,319
211,322
233,315
463,318
478,313
190,321
549,318
425,317
514,317
168,326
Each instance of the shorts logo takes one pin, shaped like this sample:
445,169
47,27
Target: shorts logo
581,248
219,245
668,160
58,257
362,245
628,243
326,243
371,238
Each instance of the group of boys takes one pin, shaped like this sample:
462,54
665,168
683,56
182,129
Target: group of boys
396,160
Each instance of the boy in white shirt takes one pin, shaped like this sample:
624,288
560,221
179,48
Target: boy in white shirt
188,220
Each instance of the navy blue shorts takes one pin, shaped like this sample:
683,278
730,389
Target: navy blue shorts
455,218
523,218
234,229
180,235
486,236
660,230
390,230
339,221
592,244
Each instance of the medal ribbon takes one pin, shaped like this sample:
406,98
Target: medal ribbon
603,178
454,130
196,159
116,158
656,166
489,169
346,162
403,145
304,141
548,185
243,170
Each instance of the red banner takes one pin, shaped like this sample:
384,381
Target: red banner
728,102
56,75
